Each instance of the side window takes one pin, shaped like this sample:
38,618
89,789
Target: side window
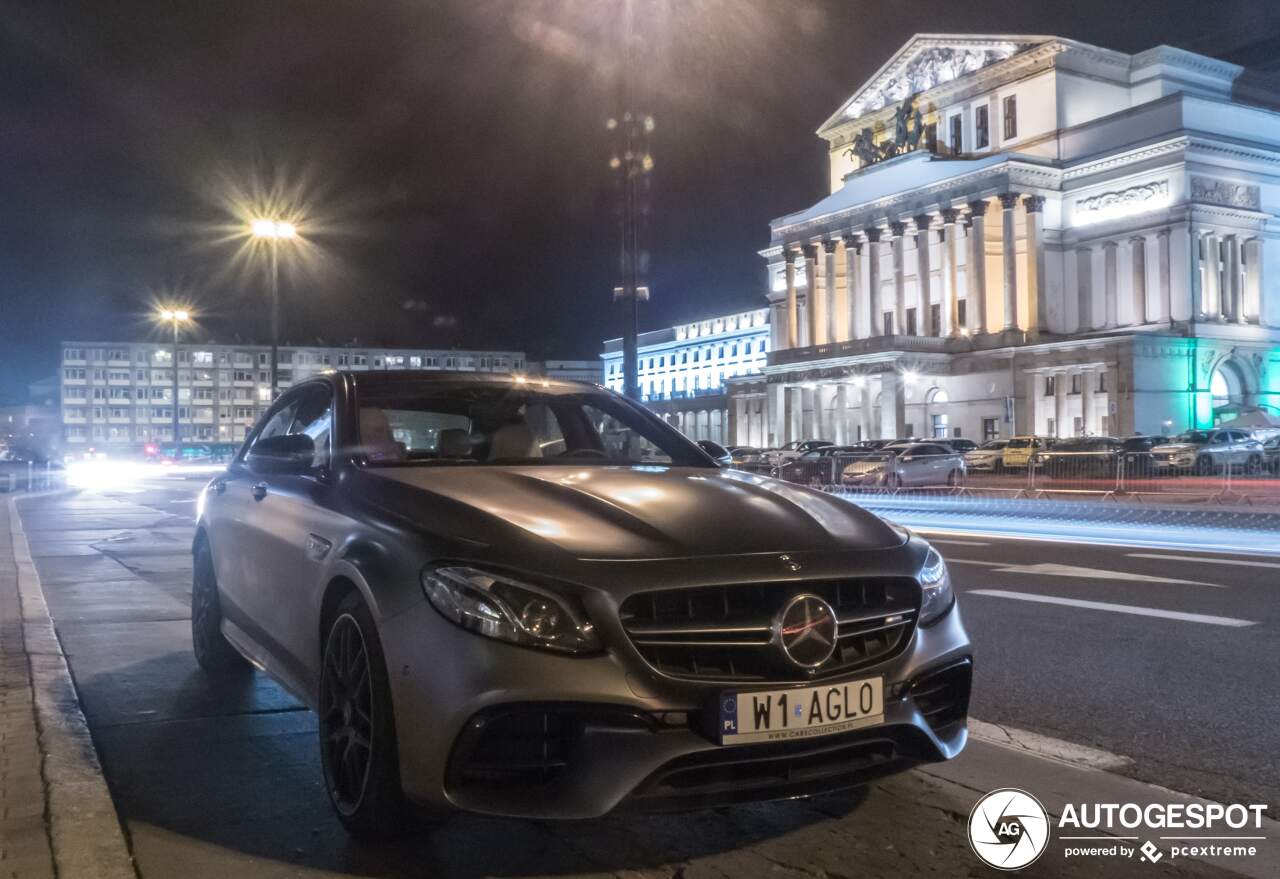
278,423
314,417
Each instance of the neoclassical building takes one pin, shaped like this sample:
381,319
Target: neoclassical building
1028,234
683,369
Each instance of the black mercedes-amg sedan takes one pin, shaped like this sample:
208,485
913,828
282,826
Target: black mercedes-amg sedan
525,597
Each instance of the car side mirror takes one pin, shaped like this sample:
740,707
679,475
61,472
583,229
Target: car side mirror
284,453
721,458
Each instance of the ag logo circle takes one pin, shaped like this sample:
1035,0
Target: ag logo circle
1008,829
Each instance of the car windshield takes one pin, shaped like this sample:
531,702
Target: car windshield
1137,444
1192,436
994,445
469,423
1019,443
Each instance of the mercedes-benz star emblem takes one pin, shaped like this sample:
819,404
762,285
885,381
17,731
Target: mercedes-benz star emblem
806,630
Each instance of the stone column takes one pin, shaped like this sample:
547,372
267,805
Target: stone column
1009,251
1164,265
950,300
1212,277
793,307
1109,276
898,230
1037,310
1033,394
775,404
1252,306
853,286
809,428
836,299
1084,289
735,417
1087,381
976,310
865,399
875,325
1231,278
893,410
813,295
841,415
795,412
1138,264
1060,380
924,310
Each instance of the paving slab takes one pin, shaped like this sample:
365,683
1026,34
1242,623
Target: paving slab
124,600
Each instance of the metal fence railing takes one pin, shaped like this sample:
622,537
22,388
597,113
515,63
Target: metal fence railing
1109,477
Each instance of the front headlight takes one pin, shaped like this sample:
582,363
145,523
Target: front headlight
935,587
508,610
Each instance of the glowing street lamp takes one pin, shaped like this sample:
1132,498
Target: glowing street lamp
175,317
273,232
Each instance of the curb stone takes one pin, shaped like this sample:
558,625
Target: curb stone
84,829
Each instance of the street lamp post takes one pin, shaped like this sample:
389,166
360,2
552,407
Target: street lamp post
175,316
273,232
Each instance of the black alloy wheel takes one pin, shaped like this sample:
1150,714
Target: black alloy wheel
357,729
213,652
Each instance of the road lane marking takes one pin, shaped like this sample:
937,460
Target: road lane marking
1117,608
1202,560
1052,569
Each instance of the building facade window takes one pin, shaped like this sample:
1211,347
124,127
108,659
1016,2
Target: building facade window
1048,385
1010,117
957,133
981,127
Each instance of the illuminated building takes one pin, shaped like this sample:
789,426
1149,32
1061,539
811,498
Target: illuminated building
683,369
121,393
1028,234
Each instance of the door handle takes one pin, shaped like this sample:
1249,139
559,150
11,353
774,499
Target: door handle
259,491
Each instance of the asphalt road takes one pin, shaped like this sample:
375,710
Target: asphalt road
1176,672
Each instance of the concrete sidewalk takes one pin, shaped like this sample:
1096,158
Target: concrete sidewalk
56,815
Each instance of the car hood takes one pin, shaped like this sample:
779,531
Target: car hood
599,512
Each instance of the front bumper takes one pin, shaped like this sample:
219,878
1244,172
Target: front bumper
489,727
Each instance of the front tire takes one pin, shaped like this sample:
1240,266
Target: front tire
357,727
1204,466
214,654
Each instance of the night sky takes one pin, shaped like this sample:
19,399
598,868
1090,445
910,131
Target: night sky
450,159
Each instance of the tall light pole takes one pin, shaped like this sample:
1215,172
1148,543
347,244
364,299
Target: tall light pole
175,317
273,232
633,162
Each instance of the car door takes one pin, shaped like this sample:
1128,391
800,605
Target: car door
229,506
292,524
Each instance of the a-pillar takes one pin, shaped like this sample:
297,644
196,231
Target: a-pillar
1110,283
1090,418
1138,266
1009,252
976,270
924,311
1231,277
950,301
1037,311
837,294
893,408
853,286
875,309
898,230
793,306
1060,380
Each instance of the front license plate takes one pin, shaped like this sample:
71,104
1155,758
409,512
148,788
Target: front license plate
780,715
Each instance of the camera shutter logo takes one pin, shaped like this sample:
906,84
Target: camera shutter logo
1008,829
